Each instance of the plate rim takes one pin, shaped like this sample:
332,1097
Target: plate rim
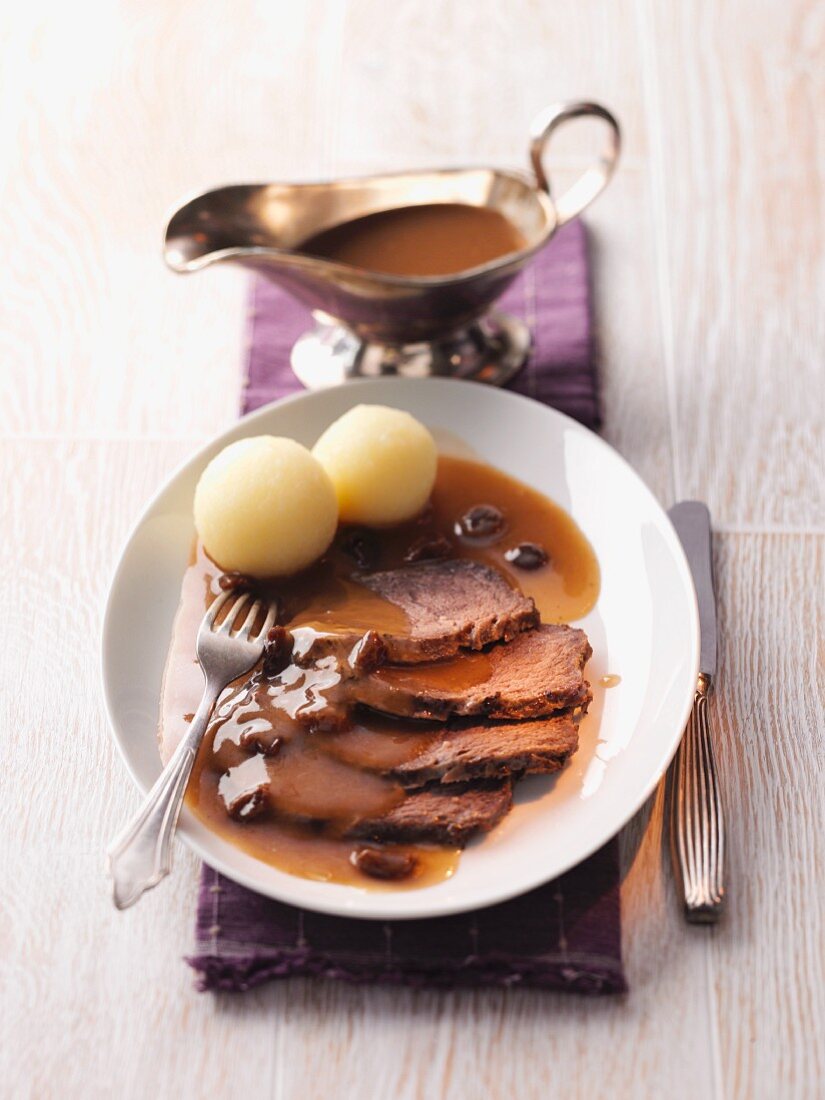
351,908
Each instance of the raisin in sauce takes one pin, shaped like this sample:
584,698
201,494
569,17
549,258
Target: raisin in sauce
287,794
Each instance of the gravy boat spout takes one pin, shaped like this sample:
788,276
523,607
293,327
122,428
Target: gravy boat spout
368,322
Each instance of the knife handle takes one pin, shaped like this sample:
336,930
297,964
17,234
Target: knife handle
698,825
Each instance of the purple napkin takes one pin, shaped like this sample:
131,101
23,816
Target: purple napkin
565,935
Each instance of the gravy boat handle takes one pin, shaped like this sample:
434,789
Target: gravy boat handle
595,178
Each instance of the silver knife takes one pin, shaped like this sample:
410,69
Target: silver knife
698,828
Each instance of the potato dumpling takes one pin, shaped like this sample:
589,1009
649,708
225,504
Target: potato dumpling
264,506
382,463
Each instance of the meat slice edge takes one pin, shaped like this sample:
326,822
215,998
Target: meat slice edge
537,674
446,815
492,751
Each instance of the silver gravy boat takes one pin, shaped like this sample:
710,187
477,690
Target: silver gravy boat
368,323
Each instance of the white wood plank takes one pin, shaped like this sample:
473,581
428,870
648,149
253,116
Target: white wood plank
628,335
768,957
446,83
110,130
94,1003
738,152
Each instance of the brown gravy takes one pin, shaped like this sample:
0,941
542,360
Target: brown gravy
429,240
336,777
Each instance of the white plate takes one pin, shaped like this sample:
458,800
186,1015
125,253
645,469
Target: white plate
644,629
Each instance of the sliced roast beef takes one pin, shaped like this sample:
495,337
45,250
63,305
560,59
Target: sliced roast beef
538,673
449,606
493,750
448,815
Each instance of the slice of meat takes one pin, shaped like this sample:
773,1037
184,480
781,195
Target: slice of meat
493,750
449,606
538,673
441,815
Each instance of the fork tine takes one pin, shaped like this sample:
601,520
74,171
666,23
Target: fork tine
249,621
269,622
232,614
214,608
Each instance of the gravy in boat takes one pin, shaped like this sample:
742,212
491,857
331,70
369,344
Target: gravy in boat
429,240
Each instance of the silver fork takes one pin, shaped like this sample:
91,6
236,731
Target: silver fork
141,854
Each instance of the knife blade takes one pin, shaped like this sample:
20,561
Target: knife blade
698,828
691,519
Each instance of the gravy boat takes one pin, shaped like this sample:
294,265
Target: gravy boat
368,323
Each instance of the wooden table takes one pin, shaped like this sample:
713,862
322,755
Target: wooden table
709,272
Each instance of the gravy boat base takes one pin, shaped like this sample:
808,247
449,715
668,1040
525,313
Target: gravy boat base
492,349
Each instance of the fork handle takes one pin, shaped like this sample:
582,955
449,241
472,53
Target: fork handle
698,824
141,854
